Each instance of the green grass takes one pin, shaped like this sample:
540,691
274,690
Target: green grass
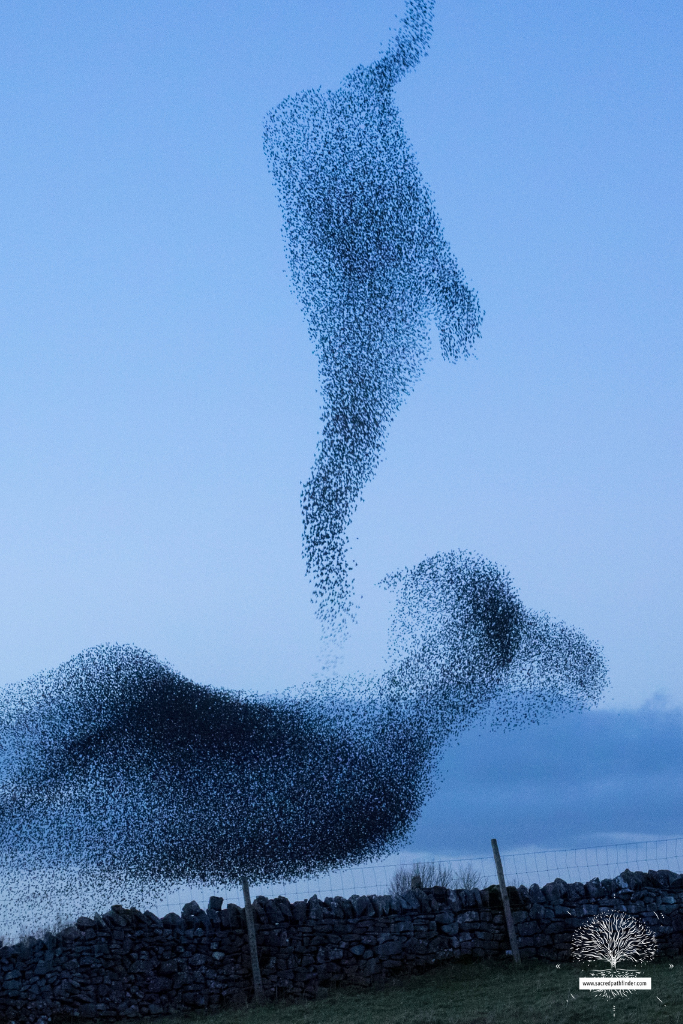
474,993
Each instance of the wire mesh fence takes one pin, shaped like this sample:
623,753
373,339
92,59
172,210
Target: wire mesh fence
521,868
525,868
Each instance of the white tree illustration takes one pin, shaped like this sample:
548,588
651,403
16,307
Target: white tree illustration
614,937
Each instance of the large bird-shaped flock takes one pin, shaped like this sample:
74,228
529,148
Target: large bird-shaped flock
119,776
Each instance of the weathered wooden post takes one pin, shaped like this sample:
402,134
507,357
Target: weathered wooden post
259,995
512,934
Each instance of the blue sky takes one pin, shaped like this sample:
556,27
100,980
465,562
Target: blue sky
158,404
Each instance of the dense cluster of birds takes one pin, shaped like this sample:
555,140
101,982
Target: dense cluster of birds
119,777
371,268
120,774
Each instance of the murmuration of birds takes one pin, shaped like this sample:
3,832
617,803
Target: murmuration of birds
120,778
371,269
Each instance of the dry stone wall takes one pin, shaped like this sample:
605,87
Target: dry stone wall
130,964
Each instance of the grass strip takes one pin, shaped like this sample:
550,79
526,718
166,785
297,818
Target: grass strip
479,992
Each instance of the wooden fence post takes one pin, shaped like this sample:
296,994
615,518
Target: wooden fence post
259,995
512,934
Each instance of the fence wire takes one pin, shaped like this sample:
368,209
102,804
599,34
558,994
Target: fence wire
524,868
540,866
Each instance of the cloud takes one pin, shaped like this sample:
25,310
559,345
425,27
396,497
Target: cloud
595,778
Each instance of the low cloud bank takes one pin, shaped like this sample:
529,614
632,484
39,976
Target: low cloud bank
582,780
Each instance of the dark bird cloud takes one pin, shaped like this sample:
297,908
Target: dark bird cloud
123,778
370,266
